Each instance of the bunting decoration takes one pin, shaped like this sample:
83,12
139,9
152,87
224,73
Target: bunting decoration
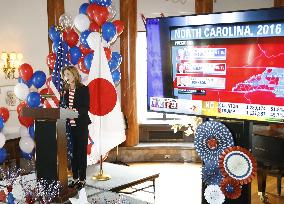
214,195
238,163
231,188
211,139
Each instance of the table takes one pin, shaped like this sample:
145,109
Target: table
122,177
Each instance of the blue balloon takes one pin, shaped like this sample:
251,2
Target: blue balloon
38,79
54,34
28,83
117,56
27,156
83,38
116,76
83,8
104,3
88,60
33,99
113,64
3,155
108,31
75,54
1,123
31,129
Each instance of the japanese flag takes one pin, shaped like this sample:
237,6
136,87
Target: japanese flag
107,129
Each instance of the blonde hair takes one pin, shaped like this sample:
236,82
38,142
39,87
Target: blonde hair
74,71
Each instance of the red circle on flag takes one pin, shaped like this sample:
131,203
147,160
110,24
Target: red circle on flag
102,96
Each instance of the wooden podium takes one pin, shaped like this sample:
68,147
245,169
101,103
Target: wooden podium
51,146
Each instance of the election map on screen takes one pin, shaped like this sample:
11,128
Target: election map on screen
229,77
228,65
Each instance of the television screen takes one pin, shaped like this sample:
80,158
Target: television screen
228,65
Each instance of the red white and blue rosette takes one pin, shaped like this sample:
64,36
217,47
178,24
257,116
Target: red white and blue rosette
231,188
211,139
238,163
214,195
211,174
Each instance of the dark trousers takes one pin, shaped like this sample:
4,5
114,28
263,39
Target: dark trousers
79,137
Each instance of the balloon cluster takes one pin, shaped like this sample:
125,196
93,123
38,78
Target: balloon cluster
94,17
27,90
4,116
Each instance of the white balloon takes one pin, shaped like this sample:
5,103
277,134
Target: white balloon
82,22
4,130
66,21
2,139
21,91
93,40
27,144
24,132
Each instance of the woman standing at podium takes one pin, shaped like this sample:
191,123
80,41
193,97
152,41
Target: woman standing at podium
77,98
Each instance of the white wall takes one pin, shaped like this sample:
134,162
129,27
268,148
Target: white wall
153,8
23,29
234,5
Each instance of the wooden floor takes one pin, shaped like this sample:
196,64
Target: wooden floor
181,183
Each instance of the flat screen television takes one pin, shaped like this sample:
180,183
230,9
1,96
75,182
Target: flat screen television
227,65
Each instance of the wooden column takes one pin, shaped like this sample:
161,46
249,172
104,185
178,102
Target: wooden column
128,14
55,8
203,6
278,3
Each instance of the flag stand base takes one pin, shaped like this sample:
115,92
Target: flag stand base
101,176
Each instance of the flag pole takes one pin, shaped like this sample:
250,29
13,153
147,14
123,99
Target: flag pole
100,176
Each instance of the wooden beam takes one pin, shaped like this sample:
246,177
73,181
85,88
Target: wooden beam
203,6
128,14
278,3
55,8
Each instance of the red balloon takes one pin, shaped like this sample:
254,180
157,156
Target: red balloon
85,50
4,113
103,96
94,27
72,38
97,13
26,71
82,66
21,106
26,121
108,53
119,25
50,60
